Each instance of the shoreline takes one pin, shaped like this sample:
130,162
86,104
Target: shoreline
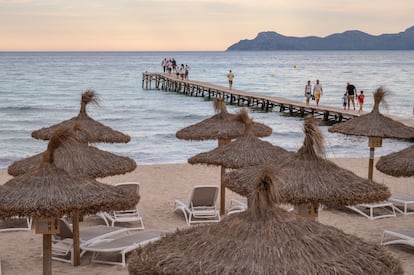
161,184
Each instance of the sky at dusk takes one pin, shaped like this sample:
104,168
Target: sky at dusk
170,25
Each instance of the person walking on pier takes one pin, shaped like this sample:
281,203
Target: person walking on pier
361,98
308,92
351,90
345,100
230,77
317,91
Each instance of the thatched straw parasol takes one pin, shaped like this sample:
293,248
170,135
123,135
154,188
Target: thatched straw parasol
375,126
99,132
224,127
78,158
48,192
309,179
398,164
246,150
263,240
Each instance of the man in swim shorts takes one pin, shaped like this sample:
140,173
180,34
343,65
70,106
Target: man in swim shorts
317,91
230,77
351,90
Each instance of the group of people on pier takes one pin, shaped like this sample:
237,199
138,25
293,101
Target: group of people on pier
349,96
170,66
315,94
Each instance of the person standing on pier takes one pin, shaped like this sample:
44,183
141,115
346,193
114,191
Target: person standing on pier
186,71
169,66
230,77
164,64
317,91
174,65
351,90
308,92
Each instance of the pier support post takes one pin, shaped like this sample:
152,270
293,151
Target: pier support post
326,116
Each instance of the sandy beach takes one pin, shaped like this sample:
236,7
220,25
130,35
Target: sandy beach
20,252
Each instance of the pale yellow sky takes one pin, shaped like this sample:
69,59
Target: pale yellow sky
156,25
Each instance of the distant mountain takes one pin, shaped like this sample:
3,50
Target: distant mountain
349,40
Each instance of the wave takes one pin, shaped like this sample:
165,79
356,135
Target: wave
6,109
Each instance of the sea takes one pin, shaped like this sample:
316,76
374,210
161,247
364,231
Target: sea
39,89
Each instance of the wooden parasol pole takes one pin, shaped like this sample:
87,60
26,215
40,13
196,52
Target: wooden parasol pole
222,141
47,226
76,241
372,143
47,254
371,163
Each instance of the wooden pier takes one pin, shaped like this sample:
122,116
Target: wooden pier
170,82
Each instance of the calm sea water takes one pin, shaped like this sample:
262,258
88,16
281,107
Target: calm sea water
43,88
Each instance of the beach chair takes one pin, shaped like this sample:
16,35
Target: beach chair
62,243
121,245
129,215
368,210
403,236
16,224
201,206
401,203
238,205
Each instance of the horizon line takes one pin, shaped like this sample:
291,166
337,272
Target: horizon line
34,51
180,51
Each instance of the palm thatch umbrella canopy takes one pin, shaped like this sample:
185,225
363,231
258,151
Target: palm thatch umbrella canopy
99,132
49,191
398,164
78,158
309,178
246,150
222,125
265,239
52,192
374,125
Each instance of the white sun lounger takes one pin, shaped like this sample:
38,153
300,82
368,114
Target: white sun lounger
121,245
201,206
27,221
238,205
404,236
386,206
123,216
401,203
62,244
